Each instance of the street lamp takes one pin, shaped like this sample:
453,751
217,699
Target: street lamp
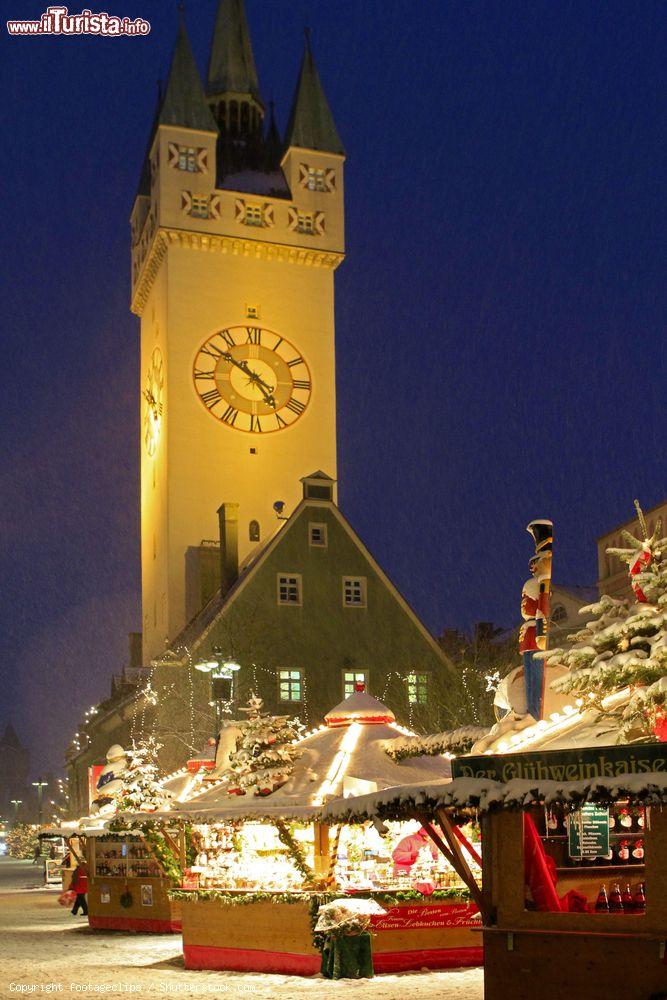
221,670
16,803
40,786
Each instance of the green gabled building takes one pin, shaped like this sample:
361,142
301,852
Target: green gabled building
309,614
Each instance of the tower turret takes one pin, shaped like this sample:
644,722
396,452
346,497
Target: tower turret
311,124
233,90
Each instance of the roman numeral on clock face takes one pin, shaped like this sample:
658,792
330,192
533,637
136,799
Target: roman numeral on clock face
301,383
230,415
255,425
202,374
296,361
211,397
254,335
296,407
281,423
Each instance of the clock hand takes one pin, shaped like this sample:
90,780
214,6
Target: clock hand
255,379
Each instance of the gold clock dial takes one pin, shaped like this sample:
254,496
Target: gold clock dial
252,379
153,404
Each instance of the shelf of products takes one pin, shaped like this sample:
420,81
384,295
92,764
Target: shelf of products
124,858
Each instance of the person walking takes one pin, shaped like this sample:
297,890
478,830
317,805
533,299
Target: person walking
37,856
80,887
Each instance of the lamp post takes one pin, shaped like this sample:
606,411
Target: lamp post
16,803
222,670
40,786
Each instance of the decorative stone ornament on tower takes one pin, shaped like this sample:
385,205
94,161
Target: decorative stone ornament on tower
233,255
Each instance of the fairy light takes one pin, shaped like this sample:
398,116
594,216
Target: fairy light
339,764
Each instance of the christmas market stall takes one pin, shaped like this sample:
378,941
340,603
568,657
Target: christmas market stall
65,850
574,897
132,865
266,861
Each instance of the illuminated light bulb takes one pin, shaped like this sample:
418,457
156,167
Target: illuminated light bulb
591,695
579,702
569,710
555,716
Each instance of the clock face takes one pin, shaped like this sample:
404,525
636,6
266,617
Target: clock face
153,407
252,379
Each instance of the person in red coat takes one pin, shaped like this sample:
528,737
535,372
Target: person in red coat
80,887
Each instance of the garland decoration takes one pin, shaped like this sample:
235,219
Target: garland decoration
295,851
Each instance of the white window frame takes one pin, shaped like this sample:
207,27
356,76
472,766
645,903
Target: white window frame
352,677
254,215
424,685
290,679
286,581
200,207
305,223
319,527
349,583
316,180
187,159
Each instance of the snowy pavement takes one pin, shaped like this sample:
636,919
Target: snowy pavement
45,951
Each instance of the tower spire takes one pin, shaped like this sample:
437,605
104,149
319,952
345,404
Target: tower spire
184,102
231,68
311,124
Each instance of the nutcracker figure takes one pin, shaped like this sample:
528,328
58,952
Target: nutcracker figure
535,610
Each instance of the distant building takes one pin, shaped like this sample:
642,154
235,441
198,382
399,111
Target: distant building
14,774
612,573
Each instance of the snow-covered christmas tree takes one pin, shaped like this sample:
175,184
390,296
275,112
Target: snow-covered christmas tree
142,790
624,646
265,751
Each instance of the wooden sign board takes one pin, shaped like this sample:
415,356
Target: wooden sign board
577,764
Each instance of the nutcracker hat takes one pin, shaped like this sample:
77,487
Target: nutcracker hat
542,532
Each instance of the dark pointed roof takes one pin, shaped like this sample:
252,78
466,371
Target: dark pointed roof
311,123
10,739
184,102
232,65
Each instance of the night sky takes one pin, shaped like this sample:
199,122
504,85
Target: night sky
500,315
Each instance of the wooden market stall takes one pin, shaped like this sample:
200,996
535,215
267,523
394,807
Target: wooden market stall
574,866
66,850
266,863
128,884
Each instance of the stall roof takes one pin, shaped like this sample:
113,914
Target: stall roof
485,794
348,756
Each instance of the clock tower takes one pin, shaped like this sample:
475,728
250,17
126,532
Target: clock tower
235,239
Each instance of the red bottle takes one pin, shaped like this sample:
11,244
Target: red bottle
615,899
602,903
627,899
640,898
638,852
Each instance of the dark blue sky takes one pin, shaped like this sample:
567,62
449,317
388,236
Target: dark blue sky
500,316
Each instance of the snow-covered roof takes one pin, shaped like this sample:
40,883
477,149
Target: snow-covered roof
344,757
485,794
360,706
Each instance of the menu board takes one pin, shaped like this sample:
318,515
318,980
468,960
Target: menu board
588,832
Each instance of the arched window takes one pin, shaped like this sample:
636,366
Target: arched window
253,531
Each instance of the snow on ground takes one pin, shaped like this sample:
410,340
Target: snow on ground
42,944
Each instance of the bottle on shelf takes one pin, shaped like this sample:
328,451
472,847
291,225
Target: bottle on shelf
628,900
602,903
624,821
637,852
615,899
640,898
623,852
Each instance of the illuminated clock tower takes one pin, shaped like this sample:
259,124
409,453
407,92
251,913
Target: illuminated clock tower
235,239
